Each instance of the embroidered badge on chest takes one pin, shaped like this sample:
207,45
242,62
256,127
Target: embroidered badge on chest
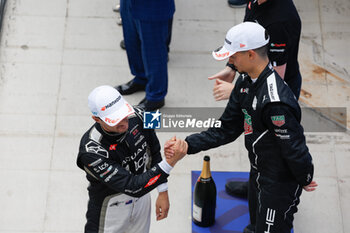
278,120
244,90
113,147
248,128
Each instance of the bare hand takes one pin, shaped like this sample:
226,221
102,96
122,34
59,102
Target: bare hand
222,90
162,205
311,187
168,148
180,150
226,74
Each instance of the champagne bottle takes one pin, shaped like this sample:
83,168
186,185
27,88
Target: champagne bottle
204,197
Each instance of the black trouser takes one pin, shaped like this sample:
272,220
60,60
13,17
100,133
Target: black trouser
272,203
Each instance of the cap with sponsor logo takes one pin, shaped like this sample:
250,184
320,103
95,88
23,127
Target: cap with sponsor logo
109,105
242,37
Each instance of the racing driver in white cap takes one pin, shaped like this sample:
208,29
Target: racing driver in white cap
123,164
265,109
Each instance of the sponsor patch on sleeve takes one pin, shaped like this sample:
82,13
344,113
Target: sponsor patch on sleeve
278,120
106,172
96,162
152,181
111,175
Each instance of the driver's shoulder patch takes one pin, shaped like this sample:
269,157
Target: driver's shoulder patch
96,148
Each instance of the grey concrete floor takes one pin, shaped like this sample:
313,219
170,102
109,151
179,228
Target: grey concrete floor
54,52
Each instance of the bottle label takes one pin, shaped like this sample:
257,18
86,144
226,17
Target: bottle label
197,213
204,179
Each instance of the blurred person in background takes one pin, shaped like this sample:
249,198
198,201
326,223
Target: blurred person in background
237,3
146,27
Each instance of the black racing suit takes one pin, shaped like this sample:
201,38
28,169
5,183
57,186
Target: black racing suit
269,115
126,163
281,19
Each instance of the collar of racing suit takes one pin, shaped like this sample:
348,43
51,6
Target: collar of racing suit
260,80
119,137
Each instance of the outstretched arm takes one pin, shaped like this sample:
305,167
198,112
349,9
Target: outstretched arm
231,127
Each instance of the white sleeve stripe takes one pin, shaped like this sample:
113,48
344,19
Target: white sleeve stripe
272,88
165,166
162,187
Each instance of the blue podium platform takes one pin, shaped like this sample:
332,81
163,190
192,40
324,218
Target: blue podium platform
232,214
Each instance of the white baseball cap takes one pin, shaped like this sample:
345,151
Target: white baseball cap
242,37
109,105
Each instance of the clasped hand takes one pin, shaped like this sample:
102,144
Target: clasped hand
174,150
